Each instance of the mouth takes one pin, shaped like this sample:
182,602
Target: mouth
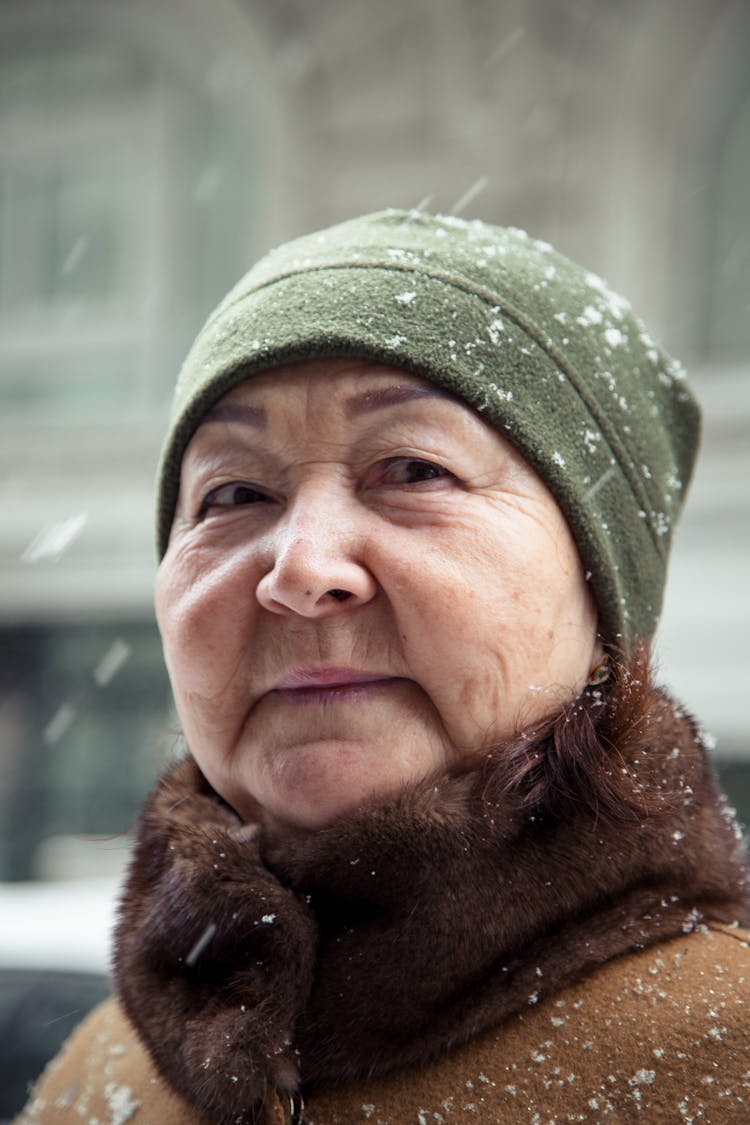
326,685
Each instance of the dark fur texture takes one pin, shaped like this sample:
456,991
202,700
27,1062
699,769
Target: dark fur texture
406,928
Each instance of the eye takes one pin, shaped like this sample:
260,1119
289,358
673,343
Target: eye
409,470
237,494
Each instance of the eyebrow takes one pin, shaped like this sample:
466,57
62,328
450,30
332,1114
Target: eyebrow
390,396
364,403
236,412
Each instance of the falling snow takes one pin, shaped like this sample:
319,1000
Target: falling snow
201,944
469,195
111,663
55,538
60,723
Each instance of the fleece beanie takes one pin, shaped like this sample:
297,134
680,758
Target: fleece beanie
541,348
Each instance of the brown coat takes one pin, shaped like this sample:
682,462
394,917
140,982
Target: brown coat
558,920
658,1036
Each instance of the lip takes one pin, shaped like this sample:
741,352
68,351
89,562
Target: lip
329,678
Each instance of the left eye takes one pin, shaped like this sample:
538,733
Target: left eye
232,495
404,470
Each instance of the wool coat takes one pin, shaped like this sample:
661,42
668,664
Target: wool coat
554,936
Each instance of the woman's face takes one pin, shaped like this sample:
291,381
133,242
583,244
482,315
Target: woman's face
365,585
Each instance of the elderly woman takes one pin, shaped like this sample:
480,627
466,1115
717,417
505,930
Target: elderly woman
438,850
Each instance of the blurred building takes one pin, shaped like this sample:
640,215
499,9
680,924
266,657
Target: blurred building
151,149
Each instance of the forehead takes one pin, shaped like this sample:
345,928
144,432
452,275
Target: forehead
327,399
359,386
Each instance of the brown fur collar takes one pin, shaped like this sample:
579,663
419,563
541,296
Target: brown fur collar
406,928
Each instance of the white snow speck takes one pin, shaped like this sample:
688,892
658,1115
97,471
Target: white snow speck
614,337
558,459
642,1077
589,317
268,919
590,439
120,1103
595,282
405,298
661,522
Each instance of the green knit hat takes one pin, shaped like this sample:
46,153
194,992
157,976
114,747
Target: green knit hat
541,348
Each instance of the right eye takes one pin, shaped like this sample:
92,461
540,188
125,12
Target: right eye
236,494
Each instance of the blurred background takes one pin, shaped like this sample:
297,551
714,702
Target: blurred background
150,150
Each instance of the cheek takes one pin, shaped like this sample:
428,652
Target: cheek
497,626
203,620
457,623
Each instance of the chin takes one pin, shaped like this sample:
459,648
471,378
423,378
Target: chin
319,804
312,784
319,810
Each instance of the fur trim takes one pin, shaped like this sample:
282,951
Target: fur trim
406,928
213,956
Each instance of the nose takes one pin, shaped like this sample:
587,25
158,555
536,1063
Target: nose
315,567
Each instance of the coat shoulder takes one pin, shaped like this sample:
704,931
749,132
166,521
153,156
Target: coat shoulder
663,1033
103,1073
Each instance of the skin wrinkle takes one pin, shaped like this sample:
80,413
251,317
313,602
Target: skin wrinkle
553,690
452,591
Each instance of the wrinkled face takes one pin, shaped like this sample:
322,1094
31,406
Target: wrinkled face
365,585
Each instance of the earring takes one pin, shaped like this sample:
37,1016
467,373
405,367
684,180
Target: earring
599,673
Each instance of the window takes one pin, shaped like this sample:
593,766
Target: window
126,202
85,727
